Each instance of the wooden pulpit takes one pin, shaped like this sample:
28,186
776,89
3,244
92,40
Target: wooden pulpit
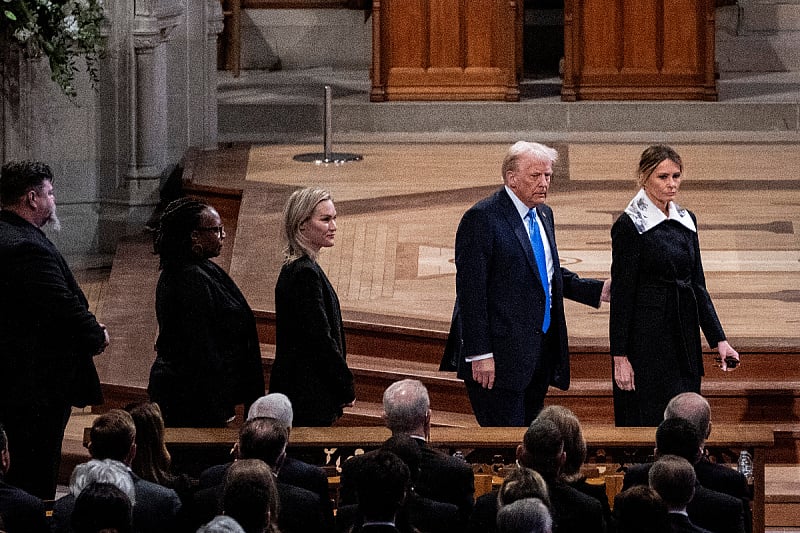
446,50
639,50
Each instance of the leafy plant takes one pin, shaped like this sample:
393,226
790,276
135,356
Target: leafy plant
62,30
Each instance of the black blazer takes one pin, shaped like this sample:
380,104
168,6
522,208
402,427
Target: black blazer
500,299
21,512
715,511
48,337
310,349
680,523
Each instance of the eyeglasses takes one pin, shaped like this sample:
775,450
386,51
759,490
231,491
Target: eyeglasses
219,230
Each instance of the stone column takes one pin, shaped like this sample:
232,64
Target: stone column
154,21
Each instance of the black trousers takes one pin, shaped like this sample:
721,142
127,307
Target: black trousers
35,434
498,407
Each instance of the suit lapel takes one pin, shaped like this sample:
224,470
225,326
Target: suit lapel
518,227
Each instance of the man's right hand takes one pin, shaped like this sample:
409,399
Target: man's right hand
483,372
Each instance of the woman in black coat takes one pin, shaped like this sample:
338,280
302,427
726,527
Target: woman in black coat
209,359
310,366
659,300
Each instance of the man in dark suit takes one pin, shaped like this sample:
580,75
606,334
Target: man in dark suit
113,436
509,335
442,478
712,510
19,511
673,478
694,408
381,485
300,510
47,334
542,449
290,470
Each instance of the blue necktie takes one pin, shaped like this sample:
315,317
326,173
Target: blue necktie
541,263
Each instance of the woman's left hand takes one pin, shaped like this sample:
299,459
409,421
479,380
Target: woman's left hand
725,351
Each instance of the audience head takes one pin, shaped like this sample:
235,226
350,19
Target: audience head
692,407
299,210
641,510
263,438
652,157
188,230
113,436
273,405
221,524
26,188
152,460
674,479
250,495
5,456
522,483
678,436
102,508
574,443
528,515
407,407
102,471
407,450
542,449
381,485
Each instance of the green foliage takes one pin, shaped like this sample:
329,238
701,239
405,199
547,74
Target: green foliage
62,30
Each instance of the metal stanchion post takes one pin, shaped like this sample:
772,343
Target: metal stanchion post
328,156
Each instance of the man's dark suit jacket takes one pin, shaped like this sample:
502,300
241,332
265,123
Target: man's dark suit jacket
300,510
292,472
715,511
500,300
156,509
442,478
680,523
20,511
572,511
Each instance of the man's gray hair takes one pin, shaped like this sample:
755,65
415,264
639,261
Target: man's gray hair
528,515
221,524
102,471
273,405
405,405
692,407
538,151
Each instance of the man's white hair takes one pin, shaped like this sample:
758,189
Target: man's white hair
102,471
273,405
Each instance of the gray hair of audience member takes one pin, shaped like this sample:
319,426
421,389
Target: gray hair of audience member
674,479
102,471
298,209
574,443
273,405
519,149
221,524
521,483
263,438
542,448
692,407
406,405
528,515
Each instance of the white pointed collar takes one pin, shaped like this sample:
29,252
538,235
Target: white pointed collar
646,216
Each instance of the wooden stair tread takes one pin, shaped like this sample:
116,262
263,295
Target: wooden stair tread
782,483
374,412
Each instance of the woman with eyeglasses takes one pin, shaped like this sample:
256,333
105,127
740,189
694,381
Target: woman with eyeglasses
310,366
208,357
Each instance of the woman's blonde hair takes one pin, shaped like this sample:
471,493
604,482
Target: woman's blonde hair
298,209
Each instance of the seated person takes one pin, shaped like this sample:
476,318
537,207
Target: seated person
640,509
519,484
381,486
250,496
102,508
528,515
673,478
19,511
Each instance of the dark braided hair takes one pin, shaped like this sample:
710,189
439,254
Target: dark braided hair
173,238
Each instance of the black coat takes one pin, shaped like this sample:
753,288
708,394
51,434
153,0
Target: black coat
209,358
659,302
20,511
48,337
310,349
